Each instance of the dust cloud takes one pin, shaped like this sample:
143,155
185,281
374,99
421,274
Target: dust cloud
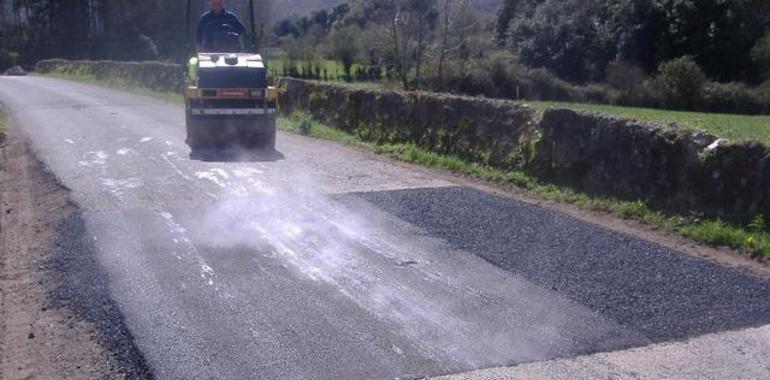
400,280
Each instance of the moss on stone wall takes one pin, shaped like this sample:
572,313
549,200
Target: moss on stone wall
480,130
678,170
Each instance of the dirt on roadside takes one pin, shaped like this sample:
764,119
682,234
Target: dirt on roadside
38,341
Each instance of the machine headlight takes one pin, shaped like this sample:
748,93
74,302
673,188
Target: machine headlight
272,93
192,92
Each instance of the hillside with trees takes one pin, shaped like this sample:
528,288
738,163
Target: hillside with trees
285,8
102,29
654,53
709,55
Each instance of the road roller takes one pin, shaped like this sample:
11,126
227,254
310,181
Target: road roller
229,104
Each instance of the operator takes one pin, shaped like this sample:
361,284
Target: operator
211,21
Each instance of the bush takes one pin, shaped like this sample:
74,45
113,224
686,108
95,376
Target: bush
764,90
631,83
6,61
679,83
500,75
542,85
596,93
733,97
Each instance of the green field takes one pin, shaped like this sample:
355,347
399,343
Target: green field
735,127
332,67
334,70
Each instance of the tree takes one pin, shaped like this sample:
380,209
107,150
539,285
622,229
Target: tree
454,33
446,12
576,39
679,82
567,37
509,10
637,28
719,34
412,27
345,47
761,55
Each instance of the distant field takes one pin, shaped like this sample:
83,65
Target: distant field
332,67
735,127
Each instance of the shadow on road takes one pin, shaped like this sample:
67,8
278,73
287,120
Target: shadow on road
237,155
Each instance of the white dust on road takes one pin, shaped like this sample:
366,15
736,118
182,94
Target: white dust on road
328,244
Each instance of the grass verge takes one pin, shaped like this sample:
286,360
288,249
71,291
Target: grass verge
734,127
753,239
3,124
118,84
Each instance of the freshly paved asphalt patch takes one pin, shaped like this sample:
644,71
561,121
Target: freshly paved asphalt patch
644,287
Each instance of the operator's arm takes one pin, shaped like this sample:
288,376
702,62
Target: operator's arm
200,31
239,28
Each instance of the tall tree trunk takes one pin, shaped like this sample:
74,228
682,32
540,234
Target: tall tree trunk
444,44
420,48
397,51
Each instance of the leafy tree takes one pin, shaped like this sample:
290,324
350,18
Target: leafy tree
286,27
637,28
412,26
566,37
345,46
509,10
679,82
719,34
761,55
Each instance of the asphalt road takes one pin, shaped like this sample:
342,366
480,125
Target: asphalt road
324,262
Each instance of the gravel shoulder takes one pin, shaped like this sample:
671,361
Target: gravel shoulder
40,337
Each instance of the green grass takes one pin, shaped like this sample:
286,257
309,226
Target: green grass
735,127
334,69
301,123
3,124
753,238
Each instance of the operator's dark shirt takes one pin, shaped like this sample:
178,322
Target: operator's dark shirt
204,34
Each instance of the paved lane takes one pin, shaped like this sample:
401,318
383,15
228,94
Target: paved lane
327,262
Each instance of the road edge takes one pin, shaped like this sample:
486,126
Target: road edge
49,331
739,354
